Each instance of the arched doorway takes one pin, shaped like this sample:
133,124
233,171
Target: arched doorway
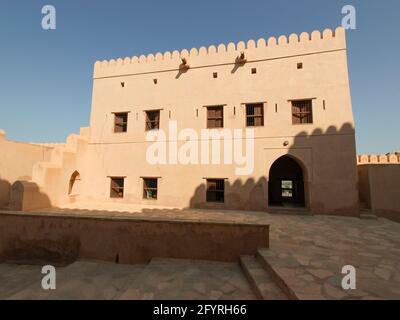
74,184
286,184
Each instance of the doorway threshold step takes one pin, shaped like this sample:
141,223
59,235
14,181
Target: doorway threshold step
260,280
289,211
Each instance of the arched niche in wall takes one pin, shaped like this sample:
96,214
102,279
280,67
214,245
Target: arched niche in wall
74,184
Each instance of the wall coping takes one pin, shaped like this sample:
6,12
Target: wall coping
105,215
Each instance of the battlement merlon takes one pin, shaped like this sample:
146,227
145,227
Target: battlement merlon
378,159
273,48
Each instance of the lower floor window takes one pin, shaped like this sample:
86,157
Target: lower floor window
150,188
215,190
117,187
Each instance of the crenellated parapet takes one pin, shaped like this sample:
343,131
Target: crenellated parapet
262,49
378,159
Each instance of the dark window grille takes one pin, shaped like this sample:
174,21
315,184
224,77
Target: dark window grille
120,122
117,187
150,188
215,117
152,120
255,115
215,190
302,112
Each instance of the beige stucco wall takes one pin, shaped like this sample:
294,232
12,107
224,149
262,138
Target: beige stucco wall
53,177
16,162
325,149
34,176
379,185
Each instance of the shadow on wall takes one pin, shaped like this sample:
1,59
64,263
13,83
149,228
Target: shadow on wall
5,188
329,177
326,184
26,195
324,179
239,195
330,172
22,195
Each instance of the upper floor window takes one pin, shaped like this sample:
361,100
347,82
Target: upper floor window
121,122
152,120
255,115
117,187
302,111
215,117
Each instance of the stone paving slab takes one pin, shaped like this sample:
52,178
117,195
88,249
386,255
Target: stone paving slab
80,280
14,278
161,279
190,280
311,252
310,283
295,279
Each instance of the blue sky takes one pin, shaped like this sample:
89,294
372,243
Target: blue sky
45,76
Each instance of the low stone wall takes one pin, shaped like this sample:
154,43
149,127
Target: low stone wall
64,239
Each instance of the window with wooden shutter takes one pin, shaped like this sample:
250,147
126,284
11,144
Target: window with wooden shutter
120,122
215,117
152,120
255,115
215,190
302,112
150,188
117,187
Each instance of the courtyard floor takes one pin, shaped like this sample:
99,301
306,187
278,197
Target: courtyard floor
309,250
160,279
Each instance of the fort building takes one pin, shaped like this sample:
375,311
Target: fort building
292,92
